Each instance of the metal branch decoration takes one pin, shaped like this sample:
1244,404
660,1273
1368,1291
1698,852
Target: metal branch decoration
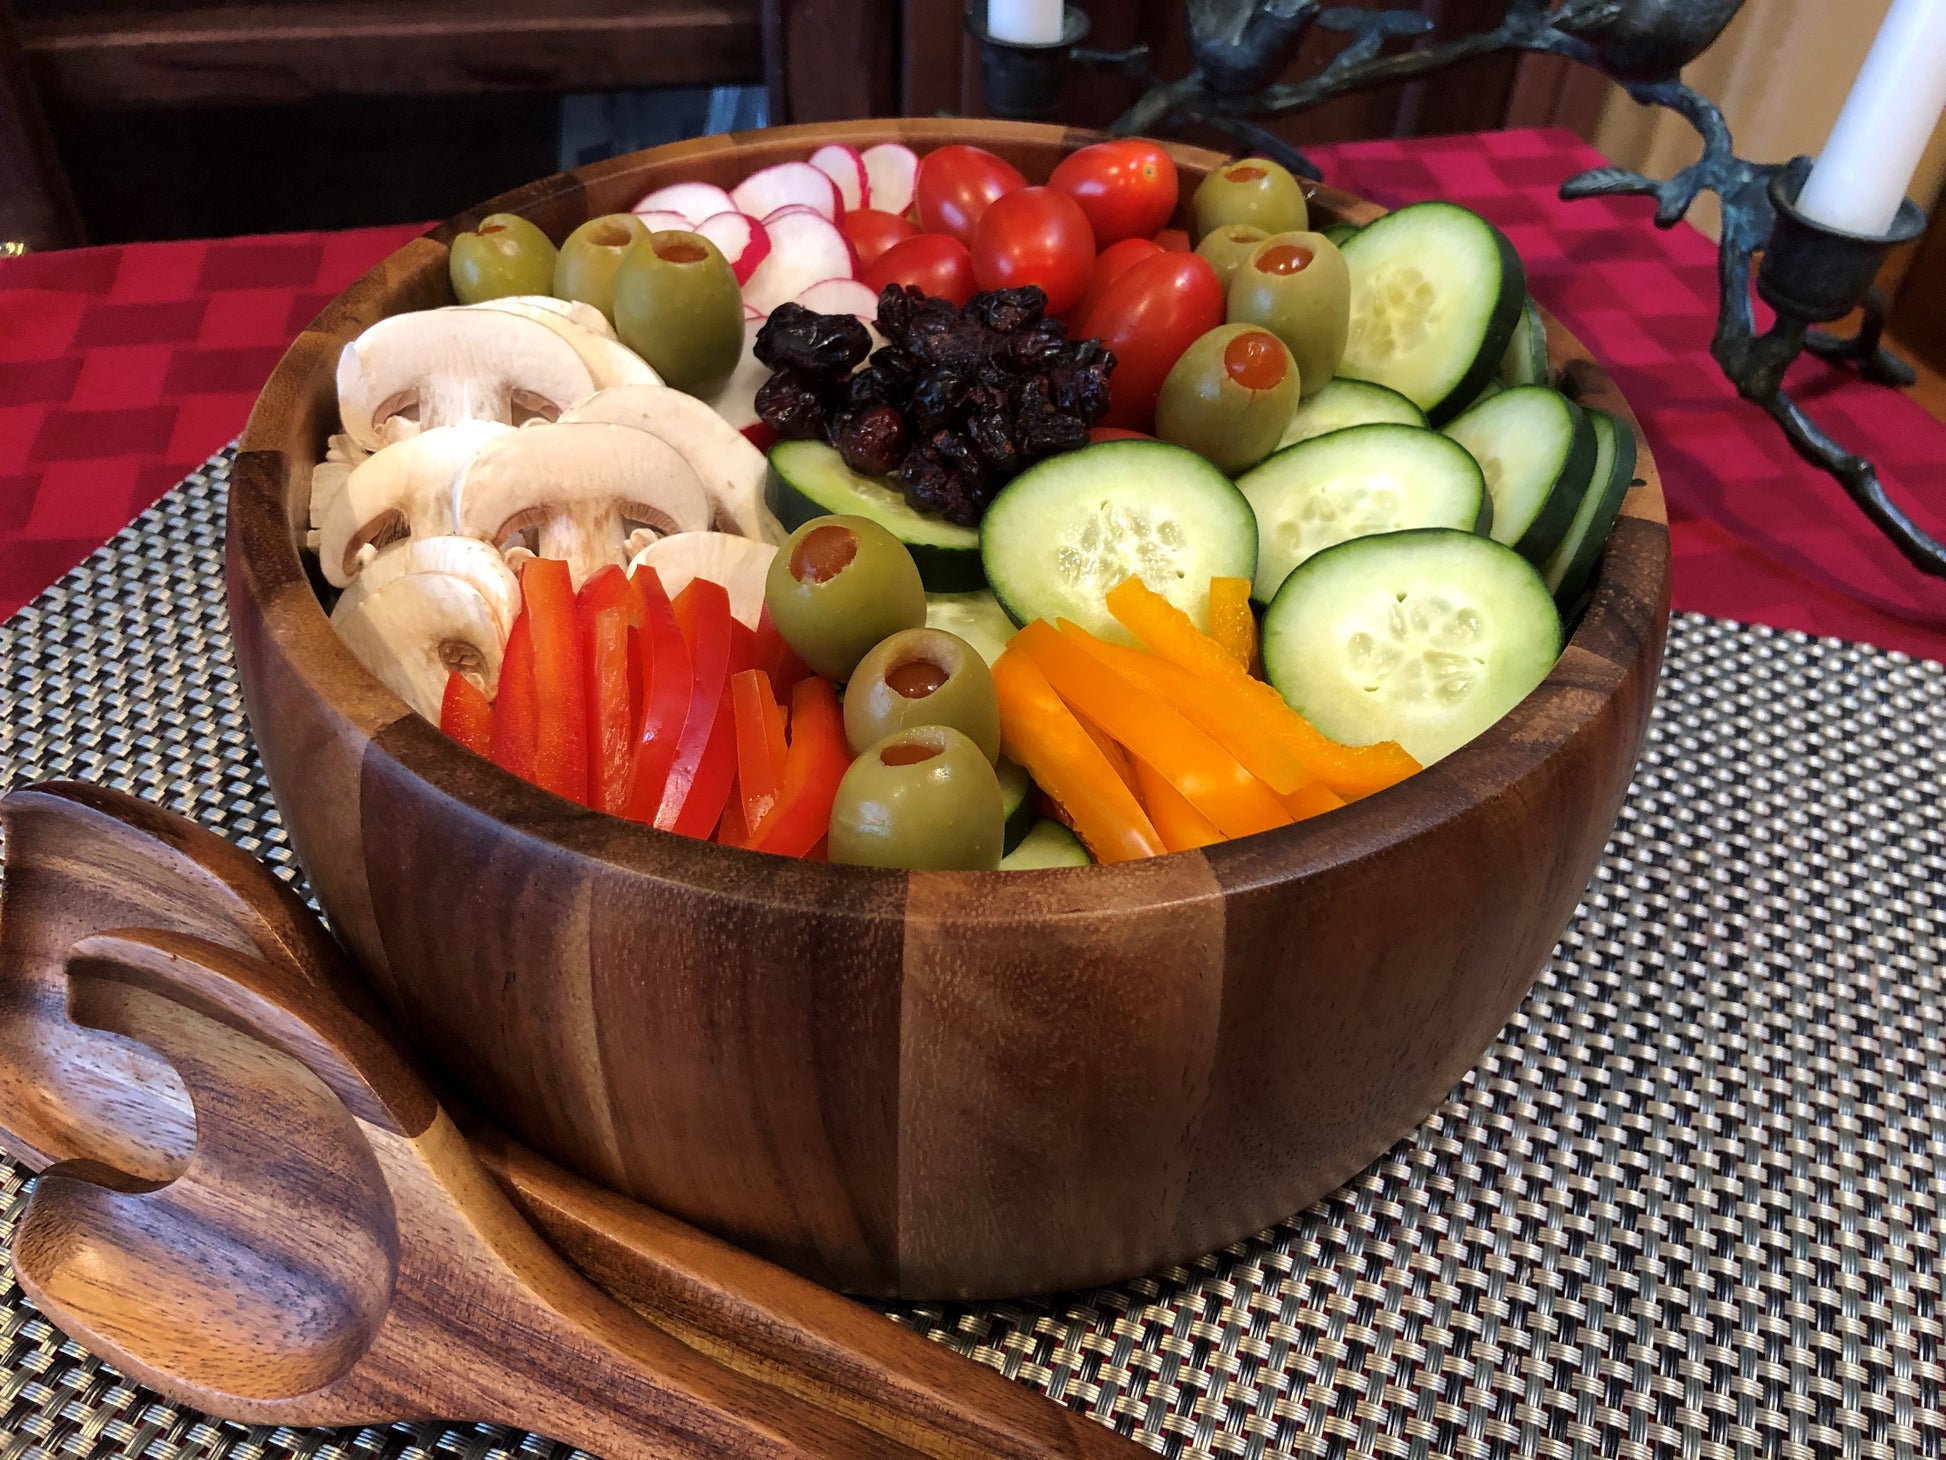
1810,274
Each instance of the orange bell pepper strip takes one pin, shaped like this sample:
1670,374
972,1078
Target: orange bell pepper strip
816,761
1231,623
702,611
760,772
1038,731
1209,777
730,831
1312,800
1182,826
561,736
668,686
466,714
1350,770
516,714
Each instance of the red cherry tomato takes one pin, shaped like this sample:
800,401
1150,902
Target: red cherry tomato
1172,240
1035,236
871,232
1117,433
1126,187
939,265
1148,317
954,186
1110,264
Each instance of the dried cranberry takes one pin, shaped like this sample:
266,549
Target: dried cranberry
792,405
992,436
1047,433
1079,390
873,441
796,338
938,399
1007,310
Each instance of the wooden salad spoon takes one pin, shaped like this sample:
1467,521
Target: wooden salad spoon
254,1203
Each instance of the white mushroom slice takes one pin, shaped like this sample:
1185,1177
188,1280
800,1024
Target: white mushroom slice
731,468
438,367
406,490
579,489
478,563
740,564
341,454
418,628
574,311
607,358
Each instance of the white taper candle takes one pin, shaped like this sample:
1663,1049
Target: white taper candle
1025,22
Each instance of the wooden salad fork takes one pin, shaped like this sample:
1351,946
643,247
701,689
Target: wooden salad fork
254,1203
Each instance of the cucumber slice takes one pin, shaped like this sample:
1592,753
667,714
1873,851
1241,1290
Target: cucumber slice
808,479
1572,566
1017,802
1423,637
1537,449
1343,403
1436,291
1049,844
1339,232
1353,483
976,617
1525,362
1068,529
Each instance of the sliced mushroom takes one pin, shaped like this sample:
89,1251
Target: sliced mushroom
579,490
467,558
731,468
438,367
740,564
418,628
572,310
607,358
328,477
404,491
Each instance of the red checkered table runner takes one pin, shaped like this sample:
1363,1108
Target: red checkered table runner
121,368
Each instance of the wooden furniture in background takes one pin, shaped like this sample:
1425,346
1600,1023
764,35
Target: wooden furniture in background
36,207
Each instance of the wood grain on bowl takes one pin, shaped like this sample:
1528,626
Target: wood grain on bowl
926,1085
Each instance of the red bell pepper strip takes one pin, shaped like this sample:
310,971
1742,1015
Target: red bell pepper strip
561,740
610,735
702,611
816,761
731,831
774,657
515,713
466,714
668,685
760,771
709,792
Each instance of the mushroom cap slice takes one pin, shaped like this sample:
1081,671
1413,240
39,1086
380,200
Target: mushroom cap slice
581,488
406,490
416,630
574,311
341,454
732,469
438,367
607,358
465,558
740,564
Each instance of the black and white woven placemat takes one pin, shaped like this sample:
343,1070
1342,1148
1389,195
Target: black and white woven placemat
1689,1204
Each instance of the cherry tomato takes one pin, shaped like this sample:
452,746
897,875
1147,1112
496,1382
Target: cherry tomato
1117,433
1035,236
1148,317
1172,240
954,186
1110,264
871,232
1126,187
930,261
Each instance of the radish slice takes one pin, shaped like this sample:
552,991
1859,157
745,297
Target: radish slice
846,168
750,311
804,249
739,238
787,209
694,200
890,170
763,193
661,220
841,296
736,402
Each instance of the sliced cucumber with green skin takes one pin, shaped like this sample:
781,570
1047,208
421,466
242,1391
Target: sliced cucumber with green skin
1343,403
1525,362
1424,637
1354,483
1436,292
976,617
1339,232
1064,532
1017,802
808,479
1049,844
1572,566
1537,449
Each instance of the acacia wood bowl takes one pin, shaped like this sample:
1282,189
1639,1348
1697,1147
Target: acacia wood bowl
925,1084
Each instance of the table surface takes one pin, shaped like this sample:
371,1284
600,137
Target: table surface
122,368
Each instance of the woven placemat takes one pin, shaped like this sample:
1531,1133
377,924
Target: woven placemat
1689,1203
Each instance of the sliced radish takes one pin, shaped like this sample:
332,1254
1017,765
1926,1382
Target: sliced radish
804,249
845,167
750,311
840,296
788,209
661,220
763,193
736,402
889,171
694,200
739,238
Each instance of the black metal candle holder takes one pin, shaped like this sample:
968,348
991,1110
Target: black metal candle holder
1810,273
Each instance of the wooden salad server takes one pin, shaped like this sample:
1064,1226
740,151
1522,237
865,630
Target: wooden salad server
253,1202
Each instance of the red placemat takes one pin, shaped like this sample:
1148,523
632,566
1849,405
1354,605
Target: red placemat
121,368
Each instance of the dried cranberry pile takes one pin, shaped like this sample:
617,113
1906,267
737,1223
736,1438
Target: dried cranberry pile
958,403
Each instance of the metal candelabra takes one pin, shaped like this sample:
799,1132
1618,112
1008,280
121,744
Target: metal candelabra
1810,273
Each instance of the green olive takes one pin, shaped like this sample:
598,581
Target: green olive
925,798
508,255
922,677
1255,191
837,587
1296,286
677,305
1229,396
1226,248
593,252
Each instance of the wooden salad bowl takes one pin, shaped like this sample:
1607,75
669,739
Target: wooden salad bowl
924,1084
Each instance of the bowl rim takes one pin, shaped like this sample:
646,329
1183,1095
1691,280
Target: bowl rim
1622,623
